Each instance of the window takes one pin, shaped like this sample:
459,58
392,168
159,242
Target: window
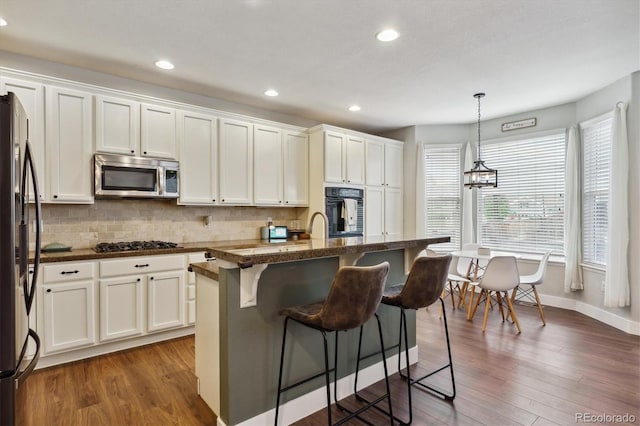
525,213
443,198
596,167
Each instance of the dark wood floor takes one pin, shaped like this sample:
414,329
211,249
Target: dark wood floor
546,375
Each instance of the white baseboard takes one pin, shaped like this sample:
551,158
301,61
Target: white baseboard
624,324
311,402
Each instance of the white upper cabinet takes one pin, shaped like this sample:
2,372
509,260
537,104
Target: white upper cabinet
198,149
235,162
333,157
374,163
296,168
69,145
393,165
280,167
130,128
267,165
384,163
157,131
343,158
31,96
354,160
117,125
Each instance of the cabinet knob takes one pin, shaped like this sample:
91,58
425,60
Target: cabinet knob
48,290
223,200
132,151
138,280
150,278
214,200
55,196
286,202
145,153
279,201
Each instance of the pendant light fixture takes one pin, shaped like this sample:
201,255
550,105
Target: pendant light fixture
480,175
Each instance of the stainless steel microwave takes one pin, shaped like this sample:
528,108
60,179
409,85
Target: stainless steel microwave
122,176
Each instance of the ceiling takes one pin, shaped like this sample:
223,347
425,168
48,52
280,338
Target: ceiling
322,55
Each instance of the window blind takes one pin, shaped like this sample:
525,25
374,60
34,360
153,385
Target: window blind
443,198
596,168
525,213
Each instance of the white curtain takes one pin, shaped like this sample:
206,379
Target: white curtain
468,231
420,192
616,292
572,221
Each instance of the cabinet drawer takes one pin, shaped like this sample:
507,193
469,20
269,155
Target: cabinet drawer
68,272
140,265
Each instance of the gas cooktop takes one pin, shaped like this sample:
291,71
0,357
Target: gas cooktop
133,245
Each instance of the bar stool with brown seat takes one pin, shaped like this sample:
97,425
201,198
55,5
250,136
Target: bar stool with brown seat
353,299
424,285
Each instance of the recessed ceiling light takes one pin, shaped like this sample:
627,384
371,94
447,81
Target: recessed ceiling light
3,23
387,35
354,108
271,92
165,65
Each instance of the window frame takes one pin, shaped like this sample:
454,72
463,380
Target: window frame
460,148
536,249
590,123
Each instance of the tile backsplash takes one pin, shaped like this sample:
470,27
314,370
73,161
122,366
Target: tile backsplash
83,226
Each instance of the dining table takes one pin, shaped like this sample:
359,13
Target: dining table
479,258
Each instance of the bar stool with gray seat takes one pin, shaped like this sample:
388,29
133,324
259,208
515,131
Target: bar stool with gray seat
353,299
424,285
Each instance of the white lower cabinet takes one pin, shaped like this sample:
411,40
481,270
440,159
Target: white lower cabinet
81,305
121,307
69,306
138,288
165,300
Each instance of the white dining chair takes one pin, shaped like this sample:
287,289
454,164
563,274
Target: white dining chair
500,277
459,276
532,281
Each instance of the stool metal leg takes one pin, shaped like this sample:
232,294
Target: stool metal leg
446,396
284,338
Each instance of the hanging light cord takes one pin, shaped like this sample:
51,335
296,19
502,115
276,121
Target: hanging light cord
478,96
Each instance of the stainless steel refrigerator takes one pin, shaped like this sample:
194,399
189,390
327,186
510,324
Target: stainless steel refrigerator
19,343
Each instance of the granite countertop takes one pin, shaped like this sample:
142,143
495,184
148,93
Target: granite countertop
246,253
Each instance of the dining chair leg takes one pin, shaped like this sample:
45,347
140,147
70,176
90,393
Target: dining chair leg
462,294
472,310
513,315
513,294
499,299
535,293
486,309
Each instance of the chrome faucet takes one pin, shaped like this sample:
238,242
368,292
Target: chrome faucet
326,224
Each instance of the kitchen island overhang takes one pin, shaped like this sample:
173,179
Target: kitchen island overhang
238,349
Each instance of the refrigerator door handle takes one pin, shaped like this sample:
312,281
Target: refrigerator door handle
20,376
30,288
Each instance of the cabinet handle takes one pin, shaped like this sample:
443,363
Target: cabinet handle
48,290
69,272
144,265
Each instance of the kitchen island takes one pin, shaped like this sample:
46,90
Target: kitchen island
239,331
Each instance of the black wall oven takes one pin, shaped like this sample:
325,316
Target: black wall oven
345,210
